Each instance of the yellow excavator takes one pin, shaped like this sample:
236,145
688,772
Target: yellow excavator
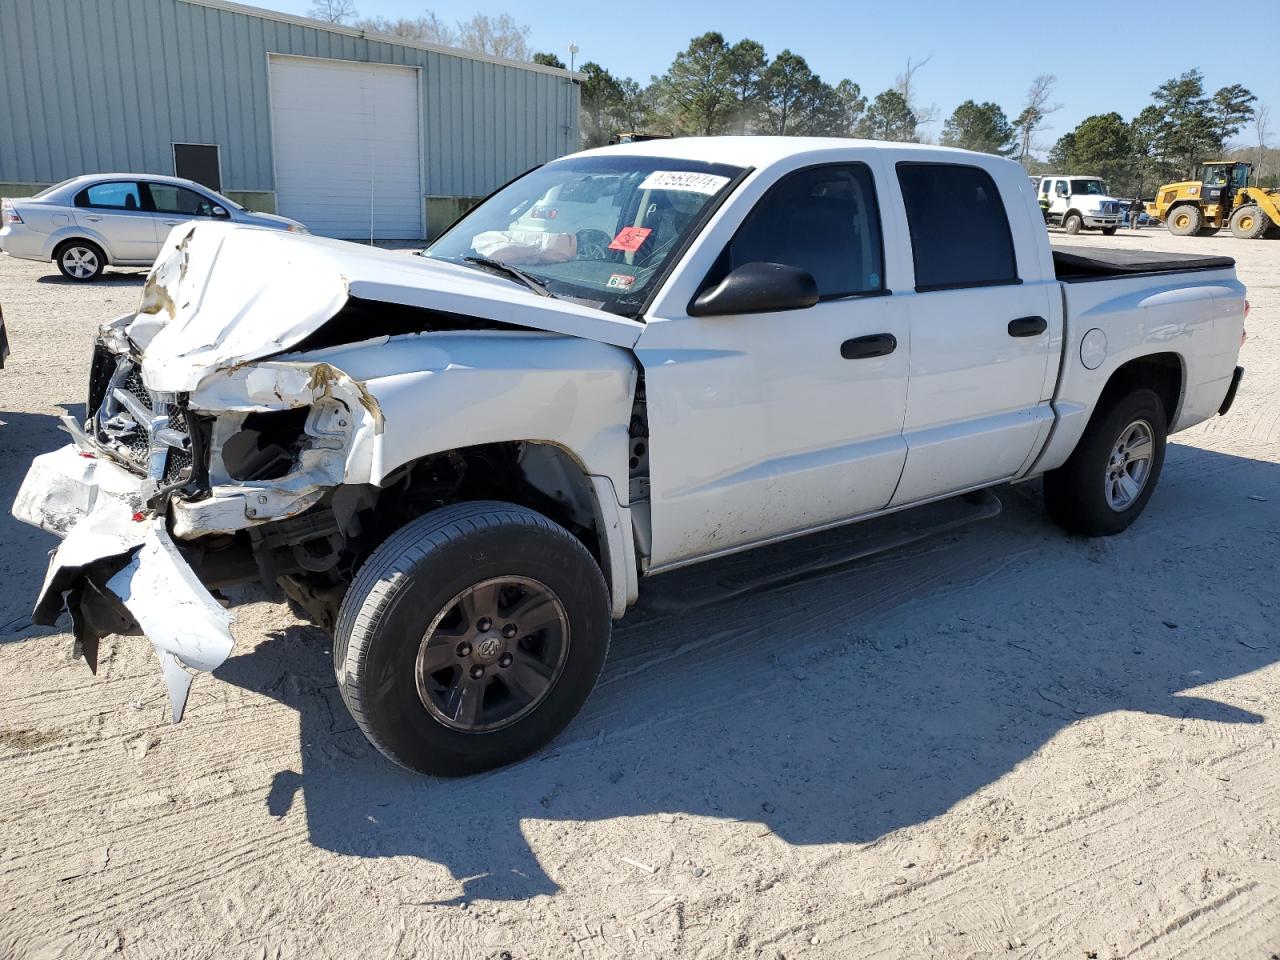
1220,197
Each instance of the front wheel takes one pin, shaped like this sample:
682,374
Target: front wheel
1185,220
1106,483
1073,224
471,637
1109,231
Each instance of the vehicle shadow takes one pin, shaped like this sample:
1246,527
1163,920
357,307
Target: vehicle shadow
110,278
838,709
25,552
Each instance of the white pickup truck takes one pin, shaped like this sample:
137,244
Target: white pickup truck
464,463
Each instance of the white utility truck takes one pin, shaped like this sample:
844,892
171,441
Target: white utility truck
465,463
1078,203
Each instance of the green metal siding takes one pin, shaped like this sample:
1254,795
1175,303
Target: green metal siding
92,86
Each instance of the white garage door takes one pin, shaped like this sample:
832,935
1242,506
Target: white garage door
347,148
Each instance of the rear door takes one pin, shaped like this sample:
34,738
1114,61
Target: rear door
115,211
767,424
981,332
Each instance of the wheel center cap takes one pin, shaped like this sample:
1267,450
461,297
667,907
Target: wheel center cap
487,650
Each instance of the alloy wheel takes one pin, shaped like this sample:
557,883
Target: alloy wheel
492,655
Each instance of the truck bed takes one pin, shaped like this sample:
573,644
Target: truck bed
1082,264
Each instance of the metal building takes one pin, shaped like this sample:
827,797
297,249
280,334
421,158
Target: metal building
357,135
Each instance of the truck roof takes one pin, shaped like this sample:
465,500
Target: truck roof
763,151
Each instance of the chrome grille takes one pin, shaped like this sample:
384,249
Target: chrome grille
146,431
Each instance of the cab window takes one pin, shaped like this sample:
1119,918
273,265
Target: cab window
960,234
824,220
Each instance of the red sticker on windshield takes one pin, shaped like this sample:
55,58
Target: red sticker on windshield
630,239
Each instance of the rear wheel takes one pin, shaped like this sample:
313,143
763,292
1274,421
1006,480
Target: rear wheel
80,260
1073,224
1249,222
1106,483
1185,220
471,638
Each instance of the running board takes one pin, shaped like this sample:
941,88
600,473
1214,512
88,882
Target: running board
779,564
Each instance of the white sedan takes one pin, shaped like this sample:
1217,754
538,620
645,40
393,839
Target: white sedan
119,219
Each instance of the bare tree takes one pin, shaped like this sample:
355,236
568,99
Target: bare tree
500,36
425,29
332,11
905,85
1032,116
1261,114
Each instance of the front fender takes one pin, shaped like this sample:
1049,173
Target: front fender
444,391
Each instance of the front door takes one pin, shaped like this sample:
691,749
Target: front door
114,210
981,336
173,206
767,424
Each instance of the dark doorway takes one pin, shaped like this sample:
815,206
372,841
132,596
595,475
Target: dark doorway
198,162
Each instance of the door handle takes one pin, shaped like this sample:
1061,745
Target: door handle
1028,326
172,223
93,219
875,345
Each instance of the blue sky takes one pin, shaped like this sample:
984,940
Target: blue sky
983,51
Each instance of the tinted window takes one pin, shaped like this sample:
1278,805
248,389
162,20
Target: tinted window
959,231
171,199
120,195
823,220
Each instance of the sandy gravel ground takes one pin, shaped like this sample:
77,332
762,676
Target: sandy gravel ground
1002,743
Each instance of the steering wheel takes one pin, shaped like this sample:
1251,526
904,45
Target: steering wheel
592,244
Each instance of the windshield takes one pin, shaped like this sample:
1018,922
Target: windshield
222,199
598,228
1091,187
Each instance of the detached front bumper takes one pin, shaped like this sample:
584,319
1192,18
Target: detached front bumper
117,570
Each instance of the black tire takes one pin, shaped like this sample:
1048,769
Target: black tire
1249,222
1109,231
1185,220
1073,223
410,581
80,260
1076,494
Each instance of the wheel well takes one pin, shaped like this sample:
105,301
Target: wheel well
63,244
541,476
314,556
1161,372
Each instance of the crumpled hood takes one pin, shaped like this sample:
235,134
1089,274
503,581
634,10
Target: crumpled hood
222,294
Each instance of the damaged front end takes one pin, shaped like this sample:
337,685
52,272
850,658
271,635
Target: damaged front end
162,497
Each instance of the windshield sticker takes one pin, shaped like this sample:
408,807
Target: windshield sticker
688,182
621,281
630,239
543,213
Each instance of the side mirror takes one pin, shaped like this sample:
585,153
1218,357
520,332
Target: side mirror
757,288
220,213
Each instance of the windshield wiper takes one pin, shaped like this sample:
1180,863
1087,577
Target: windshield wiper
537,286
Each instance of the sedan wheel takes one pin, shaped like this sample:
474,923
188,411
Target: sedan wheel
80,262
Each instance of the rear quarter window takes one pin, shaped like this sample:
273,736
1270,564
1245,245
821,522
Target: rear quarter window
960,234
